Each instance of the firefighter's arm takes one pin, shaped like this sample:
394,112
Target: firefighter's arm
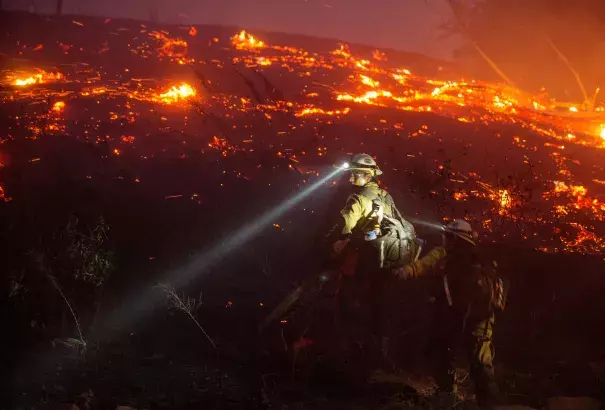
351,214
421,266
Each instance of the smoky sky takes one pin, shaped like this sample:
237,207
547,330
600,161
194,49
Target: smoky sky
409,25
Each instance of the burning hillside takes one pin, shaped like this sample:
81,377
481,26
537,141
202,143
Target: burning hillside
524,167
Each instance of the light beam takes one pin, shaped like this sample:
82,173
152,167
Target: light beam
141,303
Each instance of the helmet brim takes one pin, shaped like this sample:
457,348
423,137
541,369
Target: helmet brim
459,235
375,171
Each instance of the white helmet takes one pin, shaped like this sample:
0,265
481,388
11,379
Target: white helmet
364,162
461,229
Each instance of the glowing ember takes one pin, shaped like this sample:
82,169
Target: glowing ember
602,132
3,197
174,48
311,111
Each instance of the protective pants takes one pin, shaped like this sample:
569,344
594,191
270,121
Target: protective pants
474,337
365,311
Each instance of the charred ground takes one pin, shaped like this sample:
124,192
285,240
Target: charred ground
171,176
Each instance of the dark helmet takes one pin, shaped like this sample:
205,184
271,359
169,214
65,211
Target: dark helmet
461,229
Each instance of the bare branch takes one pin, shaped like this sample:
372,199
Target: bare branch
489,61
53,280
185,304
569,66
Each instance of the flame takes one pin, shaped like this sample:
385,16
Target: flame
505,199
175,94
58,106
245,41
460,196
40,78
311,111
367,81
379,55
174,48
263,61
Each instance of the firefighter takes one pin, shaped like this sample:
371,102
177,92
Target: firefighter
468,294
364,286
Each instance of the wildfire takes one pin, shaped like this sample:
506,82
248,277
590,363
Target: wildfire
176,94
263,61
367,98
311,111
174,48
40,78
581,201
245,41
58,106
505,199
369,81
366,81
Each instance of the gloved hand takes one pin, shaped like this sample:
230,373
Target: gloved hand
339,245
405,272
422,265
437,253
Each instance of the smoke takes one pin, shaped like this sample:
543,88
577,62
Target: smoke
537,44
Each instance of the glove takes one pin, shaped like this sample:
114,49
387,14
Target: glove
405,272
339,245
422,265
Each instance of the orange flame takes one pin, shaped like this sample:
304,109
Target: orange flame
40,78
175,94
58,106
245,41
505,199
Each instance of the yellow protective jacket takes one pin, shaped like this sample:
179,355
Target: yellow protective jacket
358,208
425,264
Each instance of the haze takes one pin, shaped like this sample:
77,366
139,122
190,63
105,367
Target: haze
399,24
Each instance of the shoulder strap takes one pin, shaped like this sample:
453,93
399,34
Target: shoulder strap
386,198
369,193
389,200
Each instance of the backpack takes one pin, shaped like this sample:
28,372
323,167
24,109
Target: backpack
397,245
471,280
492,289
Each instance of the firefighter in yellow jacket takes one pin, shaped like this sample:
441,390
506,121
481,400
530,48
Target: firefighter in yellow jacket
469,292
363,284
357,213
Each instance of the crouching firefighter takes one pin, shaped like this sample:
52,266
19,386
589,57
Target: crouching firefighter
372,238
468,294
